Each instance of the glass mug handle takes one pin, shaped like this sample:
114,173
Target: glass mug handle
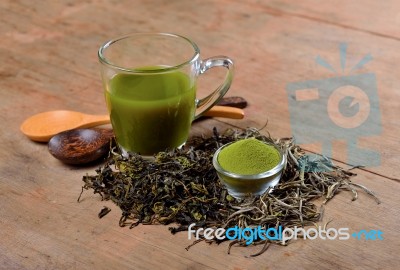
204,104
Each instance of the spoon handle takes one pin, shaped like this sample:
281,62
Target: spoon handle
226,112
91,120
234,101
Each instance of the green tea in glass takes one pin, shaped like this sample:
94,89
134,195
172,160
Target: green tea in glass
150,82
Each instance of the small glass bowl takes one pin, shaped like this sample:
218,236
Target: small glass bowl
241,186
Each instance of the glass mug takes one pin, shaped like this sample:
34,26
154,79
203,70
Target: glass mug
149,82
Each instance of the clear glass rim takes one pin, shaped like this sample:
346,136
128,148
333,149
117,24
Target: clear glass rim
108,43
277,169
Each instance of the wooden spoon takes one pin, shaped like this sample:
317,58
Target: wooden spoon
41,127
80,146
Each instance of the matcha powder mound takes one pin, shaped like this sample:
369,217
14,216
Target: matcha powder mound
248,156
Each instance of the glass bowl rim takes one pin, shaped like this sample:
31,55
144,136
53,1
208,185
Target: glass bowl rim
277,169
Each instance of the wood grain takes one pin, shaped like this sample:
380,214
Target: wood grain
49,62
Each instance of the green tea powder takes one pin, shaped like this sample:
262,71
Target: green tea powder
248,156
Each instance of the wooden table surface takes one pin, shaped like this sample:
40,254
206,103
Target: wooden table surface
48,61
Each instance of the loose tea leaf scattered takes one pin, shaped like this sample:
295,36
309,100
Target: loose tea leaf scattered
182,187
104,211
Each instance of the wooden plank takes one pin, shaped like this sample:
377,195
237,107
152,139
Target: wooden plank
276,58
50,229
374,17
48,55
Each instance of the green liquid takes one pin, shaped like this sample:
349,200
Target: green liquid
151,112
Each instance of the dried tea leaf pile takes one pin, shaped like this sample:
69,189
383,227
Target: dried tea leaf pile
182,187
